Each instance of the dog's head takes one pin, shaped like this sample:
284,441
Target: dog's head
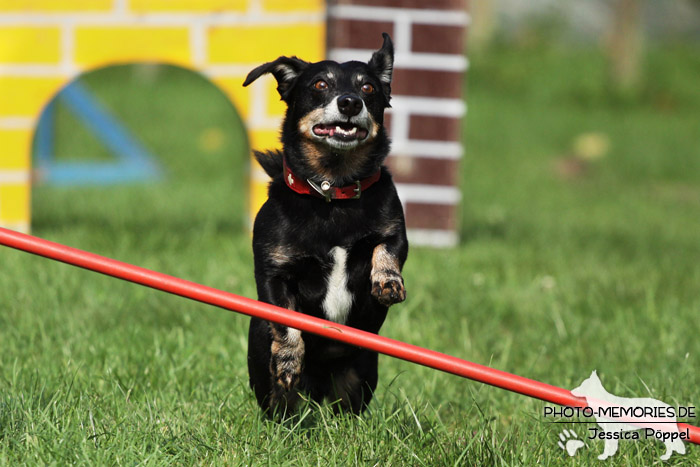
333,127
591,386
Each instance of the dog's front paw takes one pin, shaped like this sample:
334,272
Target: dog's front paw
286,365
388,288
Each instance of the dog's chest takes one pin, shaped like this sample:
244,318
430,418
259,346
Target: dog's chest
338,299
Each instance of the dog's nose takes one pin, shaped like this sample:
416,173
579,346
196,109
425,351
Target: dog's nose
349,105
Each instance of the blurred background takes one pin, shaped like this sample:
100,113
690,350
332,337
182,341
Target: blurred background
577,249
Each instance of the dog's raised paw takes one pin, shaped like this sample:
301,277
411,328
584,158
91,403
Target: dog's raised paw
389,289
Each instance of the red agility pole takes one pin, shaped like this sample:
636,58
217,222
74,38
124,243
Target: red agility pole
329,329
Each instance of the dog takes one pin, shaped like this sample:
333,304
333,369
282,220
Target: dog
330,241
604,406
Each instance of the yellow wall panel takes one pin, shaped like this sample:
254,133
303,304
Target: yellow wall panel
26,96
275,106
143,6
29,44
14,202
264,139
104,45
240,96
55,5
258,196
297,5
258,44
14,149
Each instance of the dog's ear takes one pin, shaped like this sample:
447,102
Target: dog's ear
382,63
284,69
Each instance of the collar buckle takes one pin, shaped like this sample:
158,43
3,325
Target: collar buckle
324,190
357,190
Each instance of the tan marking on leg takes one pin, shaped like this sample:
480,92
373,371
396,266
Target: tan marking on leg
387,283
281,255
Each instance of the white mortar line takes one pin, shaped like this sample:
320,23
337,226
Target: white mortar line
428,194
399,126
198,44
432,237
67,48
50,71
183,19
420,61
428,149
17,123
269,123
232,71
255,8
438,106
402,33
14,176
121,6
416,15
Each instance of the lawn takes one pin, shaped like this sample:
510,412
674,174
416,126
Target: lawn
558,273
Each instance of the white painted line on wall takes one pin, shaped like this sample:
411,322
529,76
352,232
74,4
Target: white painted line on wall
432,237
402,33
22,227
14,176
419,61
438,106
428,149
417,15
183,19
17,123
233,71
428,194
30,70
121,6
399,126
267,123
198,44
67,48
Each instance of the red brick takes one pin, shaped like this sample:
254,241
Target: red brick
356,34
432,4
434,128
431,216
387,123
430,38
426,83
423,170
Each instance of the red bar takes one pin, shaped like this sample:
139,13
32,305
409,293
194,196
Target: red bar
339,332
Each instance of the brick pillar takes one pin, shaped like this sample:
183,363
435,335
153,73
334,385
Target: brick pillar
427,106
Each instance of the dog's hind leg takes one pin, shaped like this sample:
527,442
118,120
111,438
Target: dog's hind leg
671,446
353,386
609,449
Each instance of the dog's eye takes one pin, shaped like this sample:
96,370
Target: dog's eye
320,85
367,88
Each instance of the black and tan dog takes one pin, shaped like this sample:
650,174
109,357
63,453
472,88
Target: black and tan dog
330,241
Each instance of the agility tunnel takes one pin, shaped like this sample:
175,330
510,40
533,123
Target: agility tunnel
321,327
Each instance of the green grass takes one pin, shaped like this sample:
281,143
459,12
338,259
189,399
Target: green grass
554,277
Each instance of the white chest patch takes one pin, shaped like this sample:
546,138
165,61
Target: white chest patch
338,301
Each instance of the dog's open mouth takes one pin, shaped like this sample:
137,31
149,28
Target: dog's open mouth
341,131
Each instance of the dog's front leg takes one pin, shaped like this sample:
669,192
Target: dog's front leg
287,347
387,282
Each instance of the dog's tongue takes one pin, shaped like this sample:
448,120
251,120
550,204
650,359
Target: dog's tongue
331,131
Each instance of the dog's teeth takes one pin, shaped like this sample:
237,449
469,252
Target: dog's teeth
353,131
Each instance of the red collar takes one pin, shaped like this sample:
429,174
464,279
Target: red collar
325,190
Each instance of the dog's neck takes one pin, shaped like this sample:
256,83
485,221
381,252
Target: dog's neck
325,189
